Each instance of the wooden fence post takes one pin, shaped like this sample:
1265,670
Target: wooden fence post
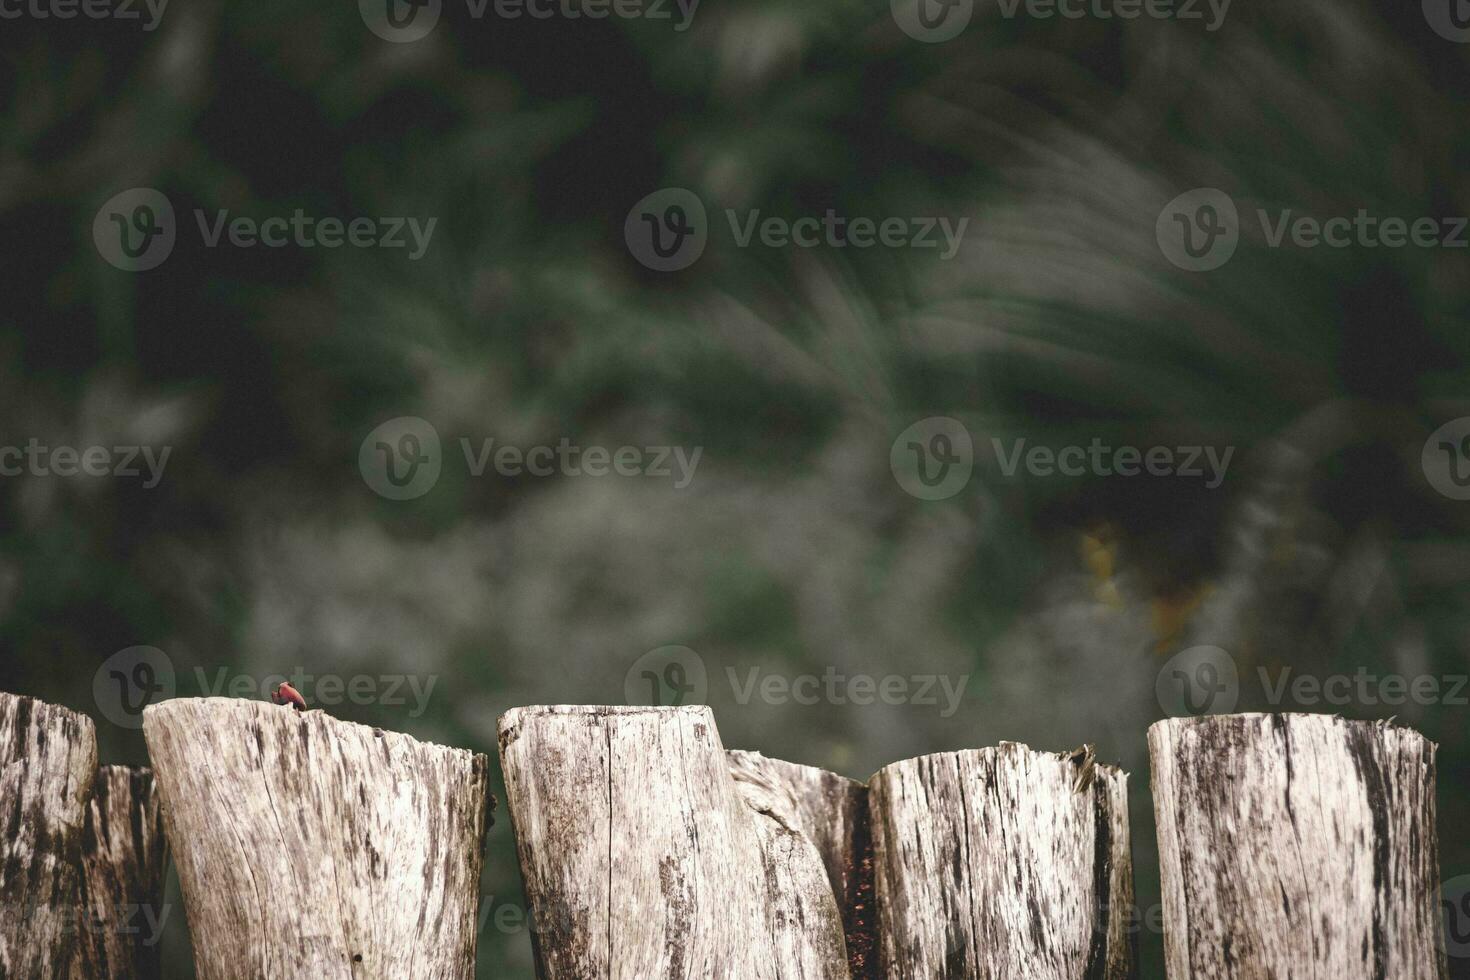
1003,863
123,863
313,847
48,760
650,851
641,858
1297,845
831,811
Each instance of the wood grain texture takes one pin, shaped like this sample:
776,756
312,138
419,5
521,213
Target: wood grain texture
1297,846
1002,863
312,847
123,863
642,859
48,760
831,811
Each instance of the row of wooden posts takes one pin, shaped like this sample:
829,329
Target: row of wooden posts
1290,846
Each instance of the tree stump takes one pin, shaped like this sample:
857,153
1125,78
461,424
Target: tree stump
1297,846
123,864
313,847
1003,863
641,858
48,760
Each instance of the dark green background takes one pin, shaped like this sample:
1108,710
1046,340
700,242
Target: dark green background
794,549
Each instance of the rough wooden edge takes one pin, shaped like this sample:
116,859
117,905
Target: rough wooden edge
641,857
1003,862
1294,839
48,761
831,811
123,863
310,846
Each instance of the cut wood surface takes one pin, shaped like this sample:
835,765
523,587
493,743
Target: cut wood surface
48,760
1297,846
123,862
651,852
1003,863
312,847
642,858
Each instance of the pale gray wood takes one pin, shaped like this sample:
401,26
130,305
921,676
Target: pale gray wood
123,862
642,858
1296,846
831,811
312,847
48,760
1003,863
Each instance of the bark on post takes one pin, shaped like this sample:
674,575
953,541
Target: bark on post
641,858
1297,846
312,847
1003,863
123,860
48,760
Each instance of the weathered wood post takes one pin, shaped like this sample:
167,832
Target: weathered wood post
123,863
313,847
1003,863
831,811
647,850
48,760
1297,846
641,858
